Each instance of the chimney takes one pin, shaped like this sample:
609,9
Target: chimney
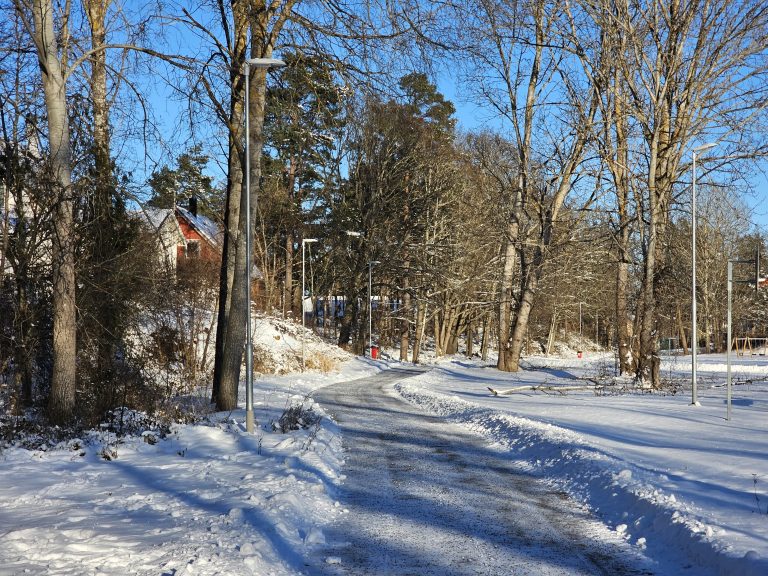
193,206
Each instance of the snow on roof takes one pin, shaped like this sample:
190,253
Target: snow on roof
204,225
155,216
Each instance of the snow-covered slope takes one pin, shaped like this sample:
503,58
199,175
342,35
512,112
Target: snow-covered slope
204,498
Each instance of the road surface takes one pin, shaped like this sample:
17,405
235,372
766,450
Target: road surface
426,497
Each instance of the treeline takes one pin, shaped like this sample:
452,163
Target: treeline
569,210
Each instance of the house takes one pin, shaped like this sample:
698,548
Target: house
204,245
167,233
203,239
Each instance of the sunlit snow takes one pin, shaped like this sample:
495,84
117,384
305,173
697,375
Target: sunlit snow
677,481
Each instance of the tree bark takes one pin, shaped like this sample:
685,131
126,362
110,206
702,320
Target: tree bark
61,402
405,324
505,304
288,300
484,346
102,223
681,330
228,352
421,319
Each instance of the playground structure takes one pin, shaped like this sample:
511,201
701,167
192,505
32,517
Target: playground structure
750,346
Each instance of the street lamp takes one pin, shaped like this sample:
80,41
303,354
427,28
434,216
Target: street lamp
370,305
304,243
694,338
265,63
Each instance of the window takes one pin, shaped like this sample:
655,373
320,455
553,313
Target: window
193,249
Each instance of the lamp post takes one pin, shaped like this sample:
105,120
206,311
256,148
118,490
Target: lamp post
370,305
350,234
694,337
304,243
265,63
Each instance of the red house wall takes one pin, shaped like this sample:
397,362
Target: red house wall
207,252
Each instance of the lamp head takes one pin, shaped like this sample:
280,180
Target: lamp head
264,63
704,147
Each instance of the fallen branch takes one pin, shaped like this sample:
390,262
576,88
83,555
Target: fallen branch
541,388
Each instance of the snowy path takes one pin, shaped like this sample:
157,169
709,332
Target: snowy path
428,497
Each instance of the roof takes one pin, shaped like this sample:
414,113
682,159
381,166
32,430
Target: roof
156,218
206,227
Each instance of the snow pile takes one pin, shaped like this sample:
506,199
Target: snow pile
675,479
277,348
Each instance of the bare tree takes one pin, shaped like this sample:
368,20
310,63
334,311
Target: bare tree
688,70
47,44
535,65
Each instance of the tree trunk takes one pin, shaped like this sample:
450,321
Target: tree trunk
623,324
23,347
486,339
288,304
618,163
350,319
681,330
6,215
225,377
103,230
61,403
405,324
521,325
470,337
648,359
451,329
421,320
505,303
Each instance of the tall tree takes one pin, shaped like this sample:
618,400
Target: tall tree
304,120
689,70
49,51
172,186
396,152
613,141
537,66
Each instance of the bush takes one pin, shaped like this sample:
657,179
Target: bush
297,416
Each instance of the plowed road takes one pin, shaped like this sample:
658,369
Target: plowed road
427,497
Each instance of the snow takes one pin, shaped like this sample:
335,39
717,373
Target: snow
203,225
652,466
675,480
206,499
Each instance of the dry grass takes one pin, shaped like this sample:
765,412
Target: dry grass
321,362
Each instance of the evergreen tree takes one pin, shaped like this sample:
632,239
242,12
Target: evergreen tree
173,186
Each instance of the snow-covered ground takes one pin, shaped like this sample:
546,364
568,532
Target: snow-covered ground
207,499
671,477
210,499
